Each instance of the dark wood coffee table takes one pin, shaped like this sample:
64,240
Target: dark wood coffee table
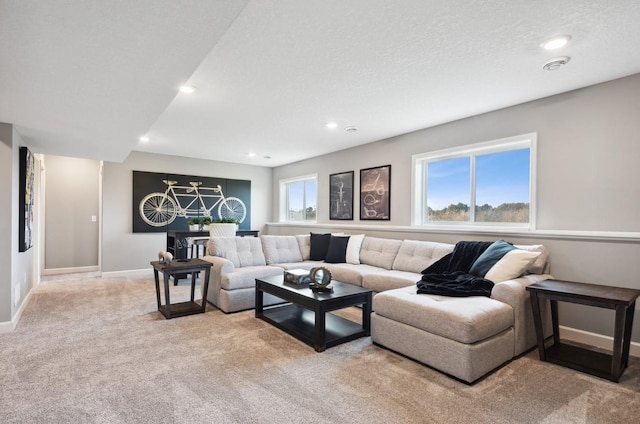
193,266
623,300
307,316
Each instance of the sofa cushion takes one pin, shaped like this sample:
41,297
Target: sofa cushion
279,249
319,246
349,273
242,251
540,264
304,242
463,319
336,253
379,252
387,280
243,278
414,255
353,249
502,261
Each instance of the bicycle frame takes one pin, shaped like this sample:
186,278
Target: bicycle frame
185,211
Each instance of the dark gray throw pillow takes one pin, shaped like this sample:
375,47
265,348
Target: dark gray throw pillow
319,246
490,257
337,252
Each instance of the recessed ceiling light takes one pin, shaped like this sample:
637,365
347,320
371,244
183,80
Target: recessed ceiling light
144,139
252,155
351,129
556,42
187,89
331,125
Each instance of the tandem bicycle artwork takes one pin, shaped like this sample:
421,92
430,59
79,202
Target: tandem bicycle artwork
164,202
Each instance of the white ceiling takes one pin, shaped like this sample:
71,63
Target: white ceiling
86,78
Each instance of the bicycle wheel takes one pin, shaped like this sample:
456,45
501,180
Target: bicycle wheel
157,209
232,208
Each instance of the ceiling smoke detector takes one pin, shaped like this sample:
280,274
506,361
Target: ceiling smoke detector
555,63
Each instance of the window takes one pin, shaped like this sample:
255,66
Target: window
299,199
486,184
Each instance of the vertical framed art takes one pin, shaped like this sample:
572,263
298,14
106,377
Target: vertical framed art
25,187
375,193
341,195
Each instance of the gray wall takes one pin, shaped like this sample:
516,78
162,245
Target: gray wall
6,218
124,250
16,268
72,197
587,185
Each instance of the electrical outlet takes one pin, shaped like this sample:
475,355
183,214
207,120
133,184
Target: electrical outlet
94,218
16,295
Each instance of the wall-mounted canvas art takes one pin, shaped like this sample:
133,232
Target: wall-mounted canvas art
25,186
375,193
164,202
341,196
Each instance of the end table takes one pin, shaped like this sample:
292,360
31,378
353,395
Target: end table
623,300
192,266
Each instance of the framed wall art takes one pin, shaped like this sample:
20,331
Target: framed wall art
25,186
341,195
375,193
164,202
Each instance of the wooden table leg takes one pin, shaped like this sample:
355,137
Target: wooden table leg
155,274
618,342
193,285
320,340
628,325
366,315
537,323
554,321
259,299
167,299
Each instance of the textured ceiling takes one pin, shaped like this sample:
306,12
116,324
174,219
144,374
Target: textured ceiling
87,78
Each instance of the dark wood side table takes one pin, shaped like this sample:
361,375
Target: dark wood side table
602,365
192,266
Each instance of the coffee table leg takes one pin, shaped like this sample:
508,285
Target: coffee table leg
366,315
259,299
320,343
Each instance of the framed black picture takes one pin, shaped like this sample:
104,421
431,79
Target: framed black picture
375,193
164,202
25,205
341,195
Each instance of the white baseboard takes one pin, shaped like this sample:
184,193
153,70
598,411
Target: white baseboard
9,326
593,339
139,273
76,270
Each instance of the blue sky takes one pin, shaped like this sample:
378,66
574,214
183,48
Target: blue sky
500,178
296,194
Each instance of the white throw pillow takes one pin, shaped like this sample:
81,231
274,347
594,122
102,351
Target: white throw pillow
353,249
512,265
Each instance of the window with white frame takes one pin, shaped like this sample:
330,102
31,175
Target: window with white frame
485,184
299,199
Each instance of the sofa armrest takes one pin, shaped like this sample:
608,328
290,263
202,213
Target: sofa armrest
221,266
514,294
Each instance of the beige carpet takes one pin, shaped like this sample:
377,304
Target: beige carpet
97,351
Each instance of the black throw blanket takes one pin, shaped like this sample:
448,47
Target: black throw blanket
450,276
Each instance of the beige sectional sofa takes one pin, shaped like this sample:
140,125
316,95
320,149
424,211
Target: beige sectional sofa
465,337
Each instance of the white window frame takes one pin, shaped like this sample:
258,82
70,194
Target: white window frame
419,208
284,196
